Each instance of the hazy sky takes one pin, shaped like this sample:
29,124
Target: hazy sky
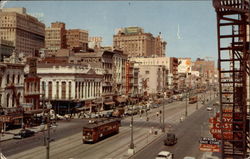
196,20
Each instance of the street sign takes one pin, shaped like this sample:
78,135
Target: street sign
209,148
211,141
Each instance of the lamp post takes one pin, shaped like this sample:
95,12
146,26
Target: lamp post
131,146
163,116
132,127
48,129
186,112
43,119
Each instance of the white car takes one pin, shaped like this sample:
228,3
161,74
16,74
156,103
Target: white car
209,108
188,157
165,155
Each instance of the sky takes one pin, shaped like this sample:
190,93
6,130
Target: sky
196,36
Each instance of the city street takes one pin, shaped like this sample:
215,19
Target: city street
113,147
188,134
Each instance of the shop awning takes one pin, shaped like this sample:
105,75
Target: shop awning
109,103
82,108
121,99
37,111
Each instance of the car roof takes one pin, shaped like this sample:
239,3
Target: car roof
165,153
188,157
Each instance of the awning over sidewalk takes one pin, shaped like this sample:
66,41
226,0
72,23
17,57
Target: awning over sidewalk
121,99
109,103
37,111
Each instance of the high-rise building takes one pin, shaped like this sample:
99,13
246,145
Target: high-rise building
133,41
55,37
25,31
77,38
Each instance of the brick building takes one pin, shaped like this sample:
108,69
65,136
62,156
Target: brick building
133,41
55,37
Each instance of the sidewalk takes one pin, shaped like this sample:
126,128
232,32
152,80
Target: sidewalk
8,135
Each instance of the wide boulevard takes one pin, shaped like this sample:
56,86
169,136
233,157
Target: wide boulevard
67,137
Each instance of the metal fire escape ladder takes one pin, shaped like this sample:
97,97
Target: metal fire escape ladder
233,54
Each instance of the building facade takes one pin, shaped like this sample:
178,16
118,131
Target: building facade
170,63
132,79
55,37
25,31
155,77
68,85
6,48
207,70
133,41
32,85
77,38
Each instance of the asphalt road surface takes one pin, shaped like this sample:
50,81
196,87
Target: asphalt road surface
188,134
68,143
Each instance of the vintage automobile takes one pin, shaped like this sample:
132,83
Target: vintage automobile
23,134
170,139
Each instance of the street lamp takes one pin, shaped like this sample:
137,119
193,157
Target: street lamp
163,116
48,129
131,146
187,93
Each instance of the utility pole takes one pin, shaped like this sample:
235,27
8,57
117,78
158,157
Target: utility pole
163,116
131,146
48,137
48,129
186,113
132,127
43,120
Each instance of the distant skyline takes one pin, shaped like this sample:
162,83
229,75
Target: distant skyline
188,27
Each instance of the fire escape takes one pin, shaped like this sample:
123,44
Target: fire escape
233,64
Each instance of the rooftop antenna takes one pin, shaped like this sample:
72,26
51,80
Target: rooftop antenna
178,32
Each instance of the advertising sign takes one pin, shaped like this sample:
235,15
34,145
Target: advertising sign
209,148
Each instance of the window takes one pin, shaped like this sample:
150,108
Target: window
57,89
146,72
63,90
8,79
50,90
18,79
69,90
7,100
13,79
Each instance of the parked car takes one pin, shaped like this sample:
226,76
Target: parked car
188,157
170,139
165,155
23,134
209,108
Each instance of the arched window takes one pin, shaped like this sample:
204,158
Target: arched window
18,79
7,100
13,79
18,99
8,78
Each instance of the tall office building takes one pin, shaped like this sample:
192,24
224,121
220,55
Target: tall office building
25,31
77,38
55,37
133,41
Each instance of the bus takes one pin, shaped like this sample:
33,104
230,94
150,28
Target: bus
97,130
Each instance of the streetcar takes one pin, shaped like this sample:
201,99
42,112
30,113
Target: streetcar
193,99
97,130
